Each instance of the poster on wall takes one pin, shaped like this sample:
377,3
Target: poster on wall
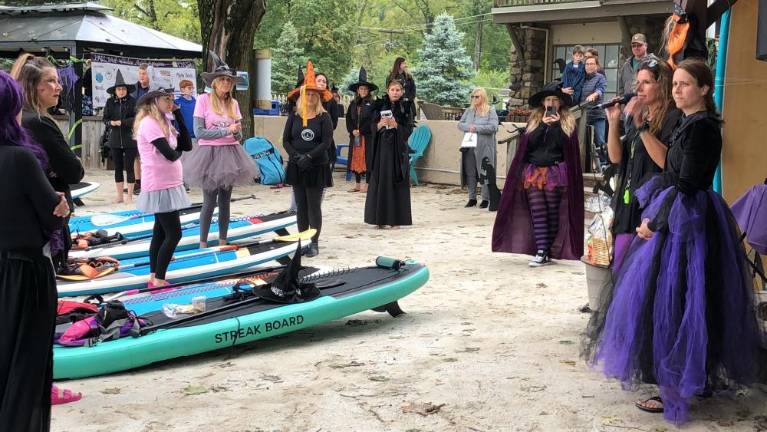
162,73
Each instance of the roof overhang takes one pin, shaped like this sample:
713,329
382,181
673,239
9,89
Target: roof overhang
579,11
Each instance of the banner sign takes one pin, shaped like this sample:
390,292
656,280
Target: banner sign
162,73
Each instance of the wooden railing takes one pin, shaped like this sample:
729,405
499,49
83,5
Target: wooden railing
512,3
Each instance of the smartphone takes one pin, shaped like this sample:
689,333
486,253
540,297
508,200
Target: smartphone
551,111
387,114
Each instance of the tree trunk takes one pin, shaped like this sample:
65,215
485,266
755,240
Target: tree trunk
227,28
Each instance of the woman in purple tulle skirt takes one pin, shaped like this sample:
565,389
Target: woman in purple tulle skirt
680,313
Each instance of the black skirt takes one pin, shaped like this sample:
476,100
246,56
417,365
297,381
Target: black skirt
27,318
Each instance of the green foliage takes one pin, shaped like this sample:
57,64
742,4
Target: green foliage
444,69
179,18
287,55
493,81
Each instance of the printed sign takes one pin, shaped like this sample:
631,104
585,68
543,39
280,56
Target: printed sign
162,73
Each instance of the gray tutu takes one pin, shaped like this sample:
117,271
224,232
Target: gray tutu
212,167
163,201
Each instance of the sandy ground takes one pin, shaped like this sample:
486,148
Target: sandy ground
490,343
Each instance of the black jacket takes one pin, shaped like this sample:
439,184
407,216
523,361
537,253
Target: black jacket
65,167
124,109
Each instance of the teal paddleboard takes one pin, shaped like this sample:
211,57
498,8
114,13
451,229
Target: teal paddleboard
360,289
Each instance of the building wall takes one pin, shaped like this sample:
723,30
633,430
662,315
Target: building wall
586,33
440,162
744,156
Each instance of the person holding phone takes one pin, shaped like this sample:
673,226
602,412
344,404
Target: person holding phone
387,203
219,162
544,187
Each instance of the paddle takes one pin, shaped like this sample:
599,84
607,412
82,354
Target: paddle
106,219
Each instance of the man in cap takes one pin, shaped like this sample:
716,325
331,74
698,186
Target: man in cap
628,72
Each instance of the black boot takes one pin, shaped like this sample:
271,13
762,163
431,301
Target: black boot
484,204
472,202
313,250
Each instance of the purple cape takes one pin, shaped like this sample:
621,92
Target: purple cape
513,229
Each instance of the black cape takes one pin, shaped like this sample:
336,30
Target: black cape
388,197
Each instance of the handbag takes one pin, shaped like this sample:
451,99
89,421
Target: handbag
469,140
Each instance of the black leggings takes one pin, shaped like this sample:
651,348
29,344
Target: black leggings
123,159
309,206
165,238
209,198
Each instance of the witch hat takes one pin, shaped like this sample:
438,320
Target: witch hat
309,83
363,80
287,287
120,82
220,68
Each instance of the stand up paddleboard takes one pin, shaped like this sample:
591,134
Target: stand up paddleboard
228,321
240,228
186,266
82,189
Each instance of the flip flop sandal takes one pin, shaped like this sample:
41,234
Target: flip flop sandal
655,410
60,397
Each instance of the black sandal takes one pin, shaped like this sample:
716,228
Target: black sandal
655,410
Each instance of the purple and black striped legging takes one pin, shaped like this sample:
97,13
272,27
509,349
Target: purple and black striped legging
544,211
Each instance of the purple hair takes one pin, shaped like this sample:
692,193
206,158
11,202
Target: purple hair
11,133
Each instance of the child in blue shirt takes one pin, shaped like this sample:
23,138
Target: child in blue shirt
574,74
187,102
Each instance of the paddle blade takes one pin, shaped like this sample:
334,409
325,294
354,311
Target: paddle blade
303,235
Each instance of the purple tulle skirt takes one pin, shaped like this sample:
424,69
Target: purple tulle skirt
220,166
681,311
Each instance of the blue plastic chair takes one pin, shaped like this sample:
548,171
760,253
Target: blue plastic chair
343,160
418,142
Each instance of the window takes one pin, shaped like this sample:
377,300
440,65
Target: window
609,59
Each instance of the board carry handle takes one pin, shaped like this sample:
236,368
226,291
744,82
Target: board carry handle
389,263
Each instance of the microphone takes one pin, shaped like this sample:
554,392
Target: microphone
622,100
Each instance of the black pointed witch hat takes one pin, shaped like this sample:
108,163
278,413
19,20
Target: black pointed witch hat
120,82
220,68
363,80
287,286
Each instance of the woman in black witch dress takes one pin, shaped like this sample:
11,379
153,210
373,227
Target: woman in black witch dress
27,280
388,197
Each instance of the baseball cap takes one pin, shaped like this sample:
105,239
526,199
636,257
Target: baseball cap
639,37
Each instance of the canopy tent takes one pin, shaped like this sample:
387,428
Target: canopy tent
76,30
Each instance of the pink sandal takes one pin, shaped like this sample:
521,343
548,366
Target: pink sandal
64,396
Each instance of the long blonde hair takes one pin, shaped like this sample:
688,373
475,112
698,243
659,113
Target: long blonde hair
484,106
225,105
150,110
566,120
28,71
318,109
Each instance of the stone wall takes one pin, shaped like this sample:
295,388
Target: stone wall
526,62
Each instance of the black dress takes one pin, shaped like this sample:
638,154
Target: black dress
635,169
388,196
27,292
360,116
331,107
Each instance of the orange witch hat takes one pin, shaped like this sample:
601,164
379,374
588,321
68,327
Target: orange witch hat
310,84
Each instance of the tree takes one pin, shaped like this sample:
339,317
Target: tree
227,28
444,69
178,18
288,55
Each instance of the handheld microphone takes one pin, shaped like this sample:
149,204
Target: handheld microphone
622,100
